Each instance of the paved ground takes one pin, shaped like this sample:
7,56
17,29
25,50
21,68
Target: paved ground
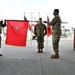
26,60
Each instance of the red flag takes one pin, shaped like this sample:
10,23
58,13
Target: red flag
16,32
49,29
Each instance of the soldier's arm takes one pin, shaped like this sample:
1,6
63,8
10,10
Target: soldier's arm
5,23
35,30
53,22
1,22
0,30
45,31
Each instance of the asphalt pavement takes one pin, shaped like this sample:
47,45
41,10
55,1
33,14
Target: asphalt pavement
26,60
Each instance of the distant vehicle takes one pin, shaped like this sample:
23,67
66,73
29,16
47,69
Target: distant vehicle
65,31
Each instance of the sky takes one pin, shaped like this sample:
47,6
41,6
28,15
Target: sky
15,9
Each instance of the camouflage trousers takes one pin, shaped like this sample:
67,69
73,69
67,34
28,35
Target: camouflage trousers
40,42
0,41
55,41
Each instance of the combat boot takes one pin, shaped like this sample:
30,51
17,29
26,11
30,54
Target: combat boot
0,54
56,55
41,51
0,51
38,51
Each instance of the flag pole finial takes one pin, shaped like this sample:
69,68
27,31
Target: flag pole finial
39,14
24,13
31,13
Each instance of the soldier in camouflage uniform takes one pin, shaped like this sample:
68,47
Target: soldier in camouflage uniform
1,25
40,31
56,32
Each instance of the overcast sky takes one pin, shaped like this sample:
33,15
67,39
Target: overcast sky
14,9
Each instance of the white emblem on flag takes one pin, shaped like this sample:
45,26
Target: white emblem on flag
17,27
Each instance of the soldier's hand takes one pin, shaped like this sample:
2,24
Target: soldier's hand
45,21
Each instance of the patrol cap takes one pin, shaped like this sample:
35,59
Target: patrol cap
40,18
56,10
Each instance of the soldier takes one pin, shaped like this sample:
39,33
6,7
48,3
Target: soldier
56,32
40,31
1,25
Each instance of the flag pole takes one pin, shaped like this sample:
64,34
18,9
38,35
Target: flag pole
65,22
24,13
43,21
39,14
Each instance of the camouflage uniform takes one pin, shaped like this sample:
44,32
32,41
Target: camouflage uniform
56,32
1,25
40,31
0,34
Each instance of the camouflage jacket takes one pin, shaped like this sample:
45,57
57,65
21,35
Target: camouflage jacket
56,24
40,30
